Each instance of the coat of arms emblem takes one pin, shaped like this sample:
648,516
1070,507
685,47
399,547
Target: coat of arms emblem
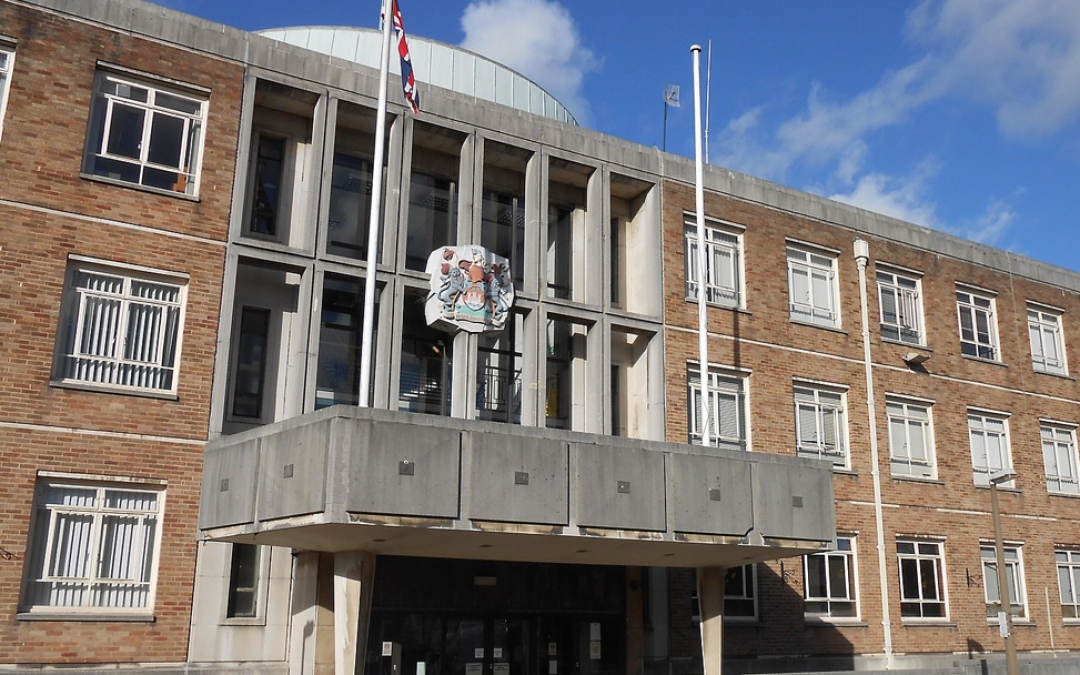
471,289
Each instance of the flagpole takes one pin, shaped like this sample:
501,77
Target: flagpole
708,98
376,208
699,203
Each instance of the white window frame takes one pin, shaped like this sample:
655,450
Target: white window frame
723,288
1014,575
70,581
817,408
1067,561
729,426
988,433
909,419
815,299
90,353
979,338
903,322
1060,458
1047,342
7,66
919,552
117,92
749,594
834,600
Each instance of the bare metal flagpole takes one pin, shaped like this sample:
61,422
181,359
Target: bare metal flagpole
699,203
708,98
376,208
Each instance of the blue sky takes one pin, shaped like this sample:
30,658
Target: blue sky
962,115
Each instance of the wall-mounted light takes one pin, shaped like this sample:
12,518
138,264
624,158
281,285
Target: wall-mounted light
916,358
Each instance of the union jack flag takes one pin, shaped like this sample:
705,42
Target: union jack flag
408,79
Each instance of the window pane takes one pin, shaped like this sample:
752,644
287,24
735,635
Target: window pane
166,140
126,131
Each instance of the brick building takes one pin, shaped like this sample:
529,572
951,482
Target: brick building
192,486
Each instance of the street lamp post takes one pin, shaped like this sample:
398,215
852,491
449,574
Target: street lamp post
1012,666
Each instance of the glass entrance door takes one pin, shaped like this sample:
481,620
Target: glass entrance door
487,646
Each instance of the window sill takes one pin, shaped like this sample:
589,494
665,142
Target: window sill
917,479
911,345
1060,376
829,622
1001,488
845,472
59,615
734,308
105,389
1021,623
928,623
1066,495
990,362
136,186
243,621
823,326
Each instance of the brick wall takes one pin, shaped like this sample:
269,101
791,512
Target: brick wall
775,350
47,212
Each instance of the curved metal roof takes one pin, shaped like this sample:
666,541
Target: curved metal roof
435,63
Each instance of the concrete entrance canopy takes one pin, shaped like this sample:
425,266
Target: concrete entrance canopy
390,483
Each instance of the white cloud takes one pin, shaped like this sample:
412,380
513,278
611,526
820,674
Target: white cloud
537,38
1017,59
903,198
1021,57
989,228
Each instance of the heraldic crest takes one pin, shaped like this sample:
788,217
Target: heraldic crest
471,289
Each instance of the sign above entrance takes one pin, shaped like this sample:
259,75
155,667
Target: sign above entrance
471,289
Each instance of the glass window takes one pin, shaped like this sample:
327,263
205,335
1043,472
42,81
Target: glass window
812,287
1068,571
249,381
1059,457
740,592
93,547
427,359
1014,577
723,280
145,134
911,447
120,330
978,328
989,446
432,217
829,588
821,425
1047,348
7,60
244,581
900,305
560,251
498,376
922,579
727,408
350,206
565,399
338,377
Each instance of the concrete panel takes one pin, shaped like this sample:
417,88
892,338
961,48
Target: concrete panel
293,472
517,480
617,488
710,495
228,488
793,502
405,469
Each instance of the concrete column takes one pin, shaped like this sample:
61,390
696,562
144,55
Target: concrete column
710,589
354,577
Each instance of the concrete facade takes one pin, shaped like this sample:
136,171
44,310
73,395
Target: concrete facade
568,438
